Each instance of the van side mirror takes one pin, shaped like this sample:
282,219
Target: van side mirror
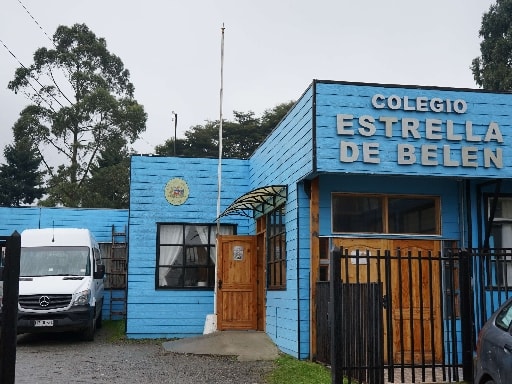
100,271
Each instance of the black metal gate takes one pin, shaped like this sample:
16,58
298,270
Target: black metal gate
397,317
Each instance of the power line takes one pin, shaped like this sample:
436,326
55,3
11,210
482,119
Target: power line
53,43
32,86
35,21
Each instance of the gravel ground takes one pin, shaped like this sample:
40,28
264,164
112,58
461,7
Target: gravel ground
64,358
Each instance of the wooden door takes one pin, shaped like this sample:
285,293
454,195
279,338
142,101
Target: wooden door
361,266
414,328
237,284
416,298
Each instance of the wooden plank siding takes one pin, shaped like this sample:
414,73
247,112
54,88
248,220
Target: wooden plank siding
355,99
99,221
448,190
315,262
286,158
155,313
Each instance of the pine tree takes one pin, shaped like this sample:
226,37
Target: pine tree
20,178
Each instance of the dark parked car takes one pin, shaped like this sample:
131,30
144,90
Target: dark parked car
493,364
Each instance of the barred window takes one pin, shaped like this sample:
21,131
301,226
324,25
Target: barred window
186,255
276,250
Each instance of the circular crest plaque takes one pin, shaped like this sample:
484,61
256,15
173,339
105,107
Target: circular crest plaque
176,191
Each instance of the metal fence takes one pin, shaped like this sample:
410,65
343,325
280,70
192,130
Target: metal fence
397,317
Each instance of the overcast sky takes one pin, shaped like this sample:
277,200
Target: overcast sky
273,50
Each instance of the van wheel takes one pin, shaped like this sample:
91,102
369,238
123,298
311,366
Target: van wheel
88,334
99,320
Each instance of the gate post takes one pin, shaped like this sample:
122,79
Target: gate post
335,316
466,309
10,309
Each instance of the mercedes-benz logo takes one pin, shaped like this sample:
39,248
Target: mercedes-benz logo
44,301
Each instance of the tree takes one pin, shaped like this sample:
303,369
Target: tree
272,117
79,118
493,69
167,148
240,138
109,184
20,178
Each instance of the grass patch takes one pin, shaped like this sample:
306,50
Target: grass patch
290,370
115,330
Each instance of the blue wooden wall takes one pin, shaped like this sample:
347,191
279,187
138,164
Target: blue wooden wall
449,190
333,98
167,313
98,221
286,158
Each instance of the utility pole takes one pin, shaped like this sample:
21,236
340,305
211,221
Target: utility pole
175,118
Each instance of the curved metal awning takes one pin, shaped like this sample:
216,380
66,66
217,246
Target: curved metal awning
260,200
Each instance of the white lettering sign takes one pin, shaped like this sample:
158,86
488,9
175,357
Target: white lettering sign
435,131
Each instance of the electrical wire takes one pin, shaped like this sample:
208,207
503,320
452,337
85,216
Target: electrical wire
35,21
68,75
31,85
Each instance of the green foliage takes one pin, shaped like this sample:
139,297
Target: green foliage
290,370
82,98
115,329
109,184
167,148
493,69
20,178
240,138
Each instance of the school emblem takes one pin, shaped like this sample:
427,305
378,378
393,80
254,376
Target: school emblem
176,191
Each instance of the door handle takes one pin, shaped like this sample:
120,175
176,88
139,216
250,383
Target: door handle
507,348
219,284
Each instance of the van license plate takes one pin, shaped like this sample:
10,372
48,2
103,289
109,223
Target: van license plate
43,323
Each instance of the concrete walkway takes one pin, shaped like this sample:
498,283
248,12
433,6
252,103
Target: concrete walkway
246,345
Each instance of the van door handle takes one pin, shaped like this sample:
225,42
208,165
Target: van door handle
219,284
507,348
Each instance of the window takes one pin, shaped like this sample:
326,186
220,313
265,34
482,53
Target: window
502,235
324,259
417,215
55,261
276,250
504,318
186,255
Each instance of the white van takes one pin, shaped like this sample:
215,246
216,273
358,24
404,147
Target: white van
61,281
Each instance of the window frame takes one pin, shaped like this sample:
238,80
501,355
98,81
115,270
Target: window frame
276,245
185,248
385,212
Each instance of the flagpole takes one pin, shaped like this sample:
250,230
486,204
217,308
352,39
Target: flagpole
219,185
219,167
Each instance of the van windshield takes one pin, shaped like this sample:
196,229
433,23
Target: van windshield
55,261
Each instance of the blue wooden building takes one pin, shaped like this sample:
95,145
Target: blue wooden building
366,168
